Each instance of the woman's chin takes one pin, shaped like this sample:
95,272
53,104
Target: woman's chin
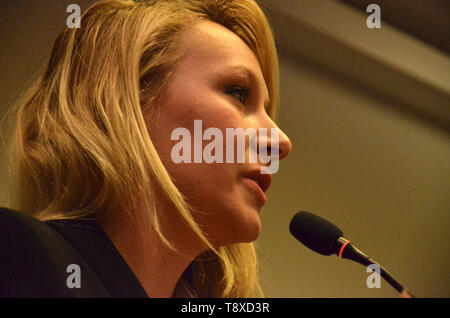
249,228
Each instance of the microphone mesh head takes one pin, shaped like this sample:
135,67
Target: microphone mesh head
315,232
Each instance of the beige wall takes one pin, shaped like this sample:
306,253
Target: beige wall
368,112
379,175
377,170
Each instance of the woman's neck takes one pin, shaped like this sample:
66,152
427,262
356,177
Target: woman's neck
157,267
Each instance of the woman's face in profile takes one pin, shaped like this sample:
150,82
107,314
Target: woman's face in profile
218,81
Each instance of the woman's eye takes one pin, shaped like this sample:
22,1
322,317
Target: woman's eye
239,93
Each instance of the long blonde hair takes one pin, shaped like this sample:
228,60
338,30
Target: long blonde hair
80,140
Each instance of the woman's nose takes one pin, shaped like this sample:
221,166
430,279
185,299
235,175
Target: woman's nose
279,142
285,145
273,143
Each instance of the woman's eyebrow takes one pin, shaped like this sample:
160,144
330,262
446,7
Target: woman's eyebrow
249,74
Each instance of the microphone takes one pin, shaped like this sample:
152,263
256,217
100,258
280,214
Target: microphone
325,238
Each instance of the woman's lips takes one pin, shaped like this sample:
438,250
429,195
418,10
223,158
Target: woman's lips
262,180
258,183
256,189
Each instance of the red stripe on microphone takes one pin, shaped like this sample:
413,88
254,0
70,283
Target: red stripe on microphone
342,248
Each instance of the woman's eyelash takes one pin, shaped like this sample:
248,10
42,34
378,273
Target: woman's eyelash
238,92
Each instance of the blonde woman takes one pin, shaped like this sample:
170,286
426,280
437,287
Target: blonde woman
97,192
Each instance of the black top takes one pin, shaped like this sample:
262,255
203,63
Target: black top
35,255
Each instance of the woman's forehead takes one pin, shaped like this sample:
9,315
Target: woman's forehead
210,43
212,48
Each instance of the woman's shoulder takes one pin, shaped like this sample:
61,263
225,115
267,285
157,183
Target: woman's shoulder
37,261
43,259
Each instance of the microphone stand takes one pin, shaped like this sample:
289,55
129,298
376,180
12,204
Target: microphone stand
344,249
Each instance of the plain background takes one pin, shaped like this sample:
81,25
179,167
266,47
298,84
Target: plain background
367,154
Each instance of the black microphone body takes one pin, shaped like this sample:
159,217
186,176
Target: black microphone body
325,238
